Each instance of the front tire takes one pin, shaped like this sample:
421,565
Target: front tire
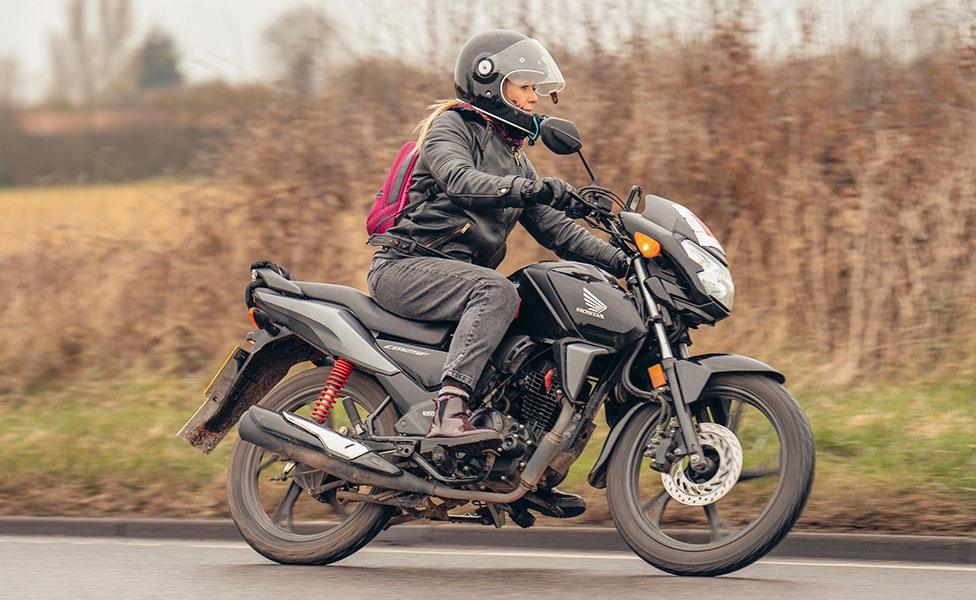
327,530
696,540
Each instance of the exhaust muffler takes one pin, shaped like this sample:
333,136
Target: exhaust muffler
307,442
293,436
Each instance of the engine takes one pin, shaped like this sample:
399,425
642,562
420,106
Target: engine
524,404
525,411
537,404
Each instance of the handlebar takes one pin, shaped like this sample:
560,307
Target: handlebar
597,202
593,204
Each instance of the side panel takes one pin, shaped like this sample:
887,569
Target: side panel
411,401
330,328
422,363
574,359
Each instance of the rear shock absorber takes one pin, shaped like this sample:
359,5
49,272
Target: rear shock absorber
323,405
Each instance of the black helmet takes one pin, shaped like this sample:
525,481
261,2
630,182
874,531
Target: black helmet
488,59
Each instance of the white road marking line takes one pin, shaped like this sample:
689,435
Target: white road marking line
856,565
41,540
624,556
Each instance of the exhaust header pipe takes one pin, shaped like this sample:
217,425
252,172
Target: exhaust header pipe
309,443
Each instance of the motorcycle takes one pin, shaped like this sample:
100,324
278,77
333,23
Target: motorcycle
707,463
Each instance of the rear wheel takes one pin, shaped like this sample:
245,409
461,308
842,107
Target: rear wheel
690,524
291,513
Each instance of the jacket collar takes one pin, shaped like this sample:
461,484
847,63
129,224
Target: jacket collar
514,139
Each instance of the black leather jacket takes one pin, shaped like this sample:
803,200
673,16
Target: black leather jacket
476,178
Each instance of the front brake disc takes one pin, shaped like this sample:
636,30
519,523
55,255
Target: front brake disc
686,491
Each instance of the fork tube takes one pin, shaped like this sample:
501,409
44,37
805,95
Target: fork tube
695,456
656,321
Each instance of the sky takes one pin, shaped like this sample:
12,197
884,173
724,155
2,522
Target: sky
218,39
222,38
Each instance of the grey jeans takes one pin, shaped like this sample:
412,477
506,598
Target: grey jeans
481,300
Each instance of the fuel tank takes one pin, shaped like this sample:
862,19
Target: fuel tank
569,299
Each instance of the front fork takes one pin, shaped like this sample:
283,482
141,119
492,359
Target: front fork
696,457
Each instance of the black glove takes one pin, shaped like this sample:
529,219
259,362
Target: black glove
550,190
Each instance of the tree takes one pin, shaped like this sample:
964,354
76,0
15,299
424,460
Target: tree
158,62
9,81
86,60
298,42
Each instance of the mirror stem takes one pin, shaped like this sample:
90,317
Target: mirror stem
586,165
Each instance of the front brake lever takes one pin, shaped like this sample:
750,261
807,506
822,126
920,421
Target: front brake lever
582,207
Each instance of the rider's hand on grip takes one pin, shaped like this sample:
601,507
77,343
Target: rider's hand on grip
576,208
562,193
550,190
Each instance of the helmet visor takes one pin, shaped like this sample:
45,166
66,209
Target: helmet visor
528,62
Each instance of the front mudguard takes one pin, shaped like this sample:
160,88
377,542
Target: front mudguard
693,375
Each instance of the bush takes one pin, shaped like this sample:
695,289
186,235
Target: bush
842,184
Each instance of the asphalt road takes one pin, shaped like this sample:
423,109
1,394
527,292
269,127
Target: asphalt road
80,568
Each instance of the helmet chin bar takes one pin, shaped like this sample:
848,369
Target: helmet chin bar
536,120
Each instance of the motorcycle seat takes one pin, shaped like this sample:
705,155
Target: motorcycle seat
375,317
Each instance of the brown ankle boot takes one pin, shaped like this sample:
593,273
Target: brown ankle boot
451,421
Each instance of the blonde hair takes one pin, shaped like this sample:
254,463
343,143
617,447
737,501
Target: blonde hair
437,109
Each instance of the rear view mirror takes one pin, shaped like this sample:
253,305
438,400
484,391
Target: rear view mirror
560,136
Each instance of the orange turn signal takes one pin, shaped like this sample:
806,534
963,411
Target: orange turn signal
657,375
250,316
647,245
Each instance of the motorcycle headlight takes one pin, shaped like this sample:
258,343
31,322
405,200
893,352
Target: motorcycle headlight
715,277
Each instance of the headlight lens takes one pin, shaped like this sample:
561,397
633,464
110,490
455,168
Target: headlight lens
715,277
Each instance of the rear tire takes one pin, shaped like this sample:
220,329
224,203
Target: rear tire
358,527
654,544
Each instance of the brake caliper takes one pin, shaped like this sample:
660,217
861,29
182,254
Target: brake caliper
663,447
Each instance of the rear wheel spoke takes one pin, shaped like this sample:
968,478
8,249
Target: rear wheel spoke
285,511
264,465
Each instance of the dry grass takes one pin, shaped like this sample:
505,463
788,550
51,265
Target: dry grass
87,215
842,181
843,184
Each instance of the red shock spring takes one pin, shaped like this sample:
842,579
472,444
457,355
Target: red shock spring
323,405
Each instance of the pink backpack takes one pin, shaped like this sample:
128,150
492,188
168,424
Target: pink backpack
392,200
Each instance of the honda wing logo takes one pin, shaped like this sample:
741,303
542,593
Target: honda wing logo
594,306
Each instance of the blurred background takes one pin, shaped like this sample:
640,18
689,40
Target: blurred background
150,150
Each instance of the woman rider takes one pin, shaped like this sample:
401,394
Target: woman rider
470,185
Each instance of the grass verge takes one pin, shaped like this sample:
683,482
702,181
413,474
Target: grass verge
890,458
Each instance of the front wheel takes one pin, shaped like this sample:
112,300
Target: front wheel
687,523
